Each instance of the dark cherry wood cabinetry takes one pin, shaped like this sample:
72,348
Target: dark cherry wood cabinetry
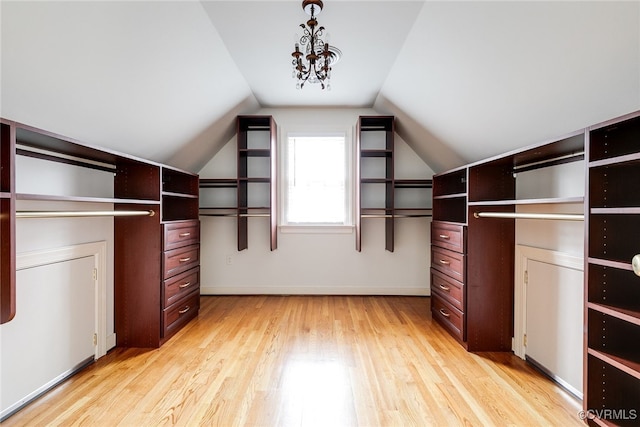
612,289
7,223
255,184
378,187
152,299
472,257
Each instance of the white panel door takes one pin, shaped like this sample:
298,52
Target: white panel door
52,332
554,319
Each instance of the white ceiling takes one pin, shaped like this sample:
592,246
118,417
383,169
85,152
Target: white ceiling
260,37
466,80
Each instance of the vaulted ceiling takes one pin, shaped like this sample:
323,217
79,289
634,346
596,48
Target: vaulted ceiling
466,80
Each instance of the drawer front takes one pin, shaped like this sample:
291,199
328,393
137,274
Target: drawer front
448,236
180,313
448,288
182,259
181,233
448,262
448,316
180,285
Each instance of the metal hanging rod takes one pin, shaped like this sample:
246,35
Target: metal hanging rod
235,215
514,215
549,162
75,214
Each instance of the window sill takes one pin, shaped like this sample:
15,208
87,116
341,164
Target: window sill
316,229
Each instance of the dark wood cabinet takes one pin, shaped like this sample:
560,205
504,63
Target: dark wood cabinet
378,188
255,184
7,223
472,257
612,289
165,203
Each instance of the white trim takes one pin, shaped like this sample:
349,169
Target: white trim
315,290
316,229
523,255
97,250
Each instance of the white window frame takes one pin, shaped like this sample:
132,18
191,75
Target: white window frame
313,228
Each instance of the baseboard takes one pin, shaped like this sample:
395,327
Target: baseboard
314,290
111,341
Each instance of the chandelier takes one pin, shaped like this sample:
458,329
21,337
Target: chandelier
313,57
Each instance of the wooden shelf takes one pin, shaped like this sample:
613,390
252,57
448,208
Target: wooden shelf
54,198
450,196
375,181
542,201
376,153
635,157
218,183
180,195
609,263
624,364
254,152
615,211
631,316
413,183
4,195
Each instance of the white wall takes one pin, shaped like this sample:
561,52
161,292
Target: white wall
312,263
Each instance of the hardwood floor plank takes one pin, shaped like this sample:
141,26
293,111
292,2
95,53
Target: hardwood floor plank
306,361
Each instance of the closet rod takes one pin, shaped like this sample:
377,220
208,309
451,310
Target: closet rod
549,162
236,215
72,214
513,215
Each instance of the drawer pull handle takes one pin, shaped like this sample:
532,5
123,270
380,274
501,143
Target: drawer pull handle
444,236
184,285
444,262
444,313
185,234
184,310
185,259
635,264
445,288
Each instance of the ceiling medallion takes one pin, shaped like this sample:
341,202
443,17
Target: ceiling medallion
313,57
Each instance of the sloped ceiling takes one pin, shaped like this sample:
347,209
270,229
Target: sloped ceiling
466,80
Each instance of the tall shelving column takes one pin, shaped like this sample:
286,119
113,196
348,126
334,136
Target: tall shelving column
257,138
7,223
369,152
612,290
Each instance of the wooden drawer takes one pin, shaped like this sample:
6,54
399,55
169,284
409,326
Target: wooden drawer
448,316
180,233
448,262
180,313
182,259
180,285
448,288
448,236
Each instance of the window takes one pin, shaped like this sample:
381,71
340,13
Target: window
316,180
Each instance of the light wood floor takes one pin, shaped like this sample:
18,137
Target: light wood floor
306,361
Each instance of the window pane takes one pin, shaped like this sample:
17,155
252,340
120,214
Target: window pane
316,180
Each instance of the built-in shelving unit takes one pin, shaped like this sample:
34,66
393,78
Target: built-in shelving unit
472,281
138,185
378,188
612,289
255,184
7,222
